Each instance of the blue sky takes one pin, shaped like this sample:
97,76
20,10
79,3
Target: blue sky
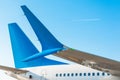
88,25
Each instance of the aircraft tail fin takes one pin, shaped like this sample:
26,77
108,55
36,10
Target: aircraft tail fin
23,48
47,40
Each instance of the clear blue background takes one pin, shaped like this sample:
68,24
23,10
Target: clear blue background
92,26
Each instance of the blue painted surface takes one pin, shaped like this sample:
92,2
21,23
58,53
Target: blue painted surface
23,48
87,25
48,41
42,54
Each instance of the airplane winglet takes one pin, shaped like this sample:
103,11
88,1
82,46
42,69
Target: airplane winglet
47,40
23,48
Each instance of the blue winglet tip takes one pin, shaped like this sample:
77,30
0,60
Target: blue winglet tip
11,24
23,6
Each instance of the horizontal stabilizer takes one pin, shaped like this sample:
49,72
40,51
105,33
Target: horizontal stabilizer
42,54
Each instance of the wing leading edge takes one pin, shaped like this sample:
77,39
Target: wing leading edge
90,60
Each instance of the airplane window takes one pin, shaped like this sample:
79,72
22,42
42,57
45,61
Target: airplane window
30,76
56,75
68,74
98,74
60,75
80,74
103,74
72,74
88,74
108,74
84,74
76,74
64,74
93,74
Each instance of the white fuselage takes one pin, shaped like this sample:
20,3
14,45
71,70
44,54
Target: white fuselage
68,72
